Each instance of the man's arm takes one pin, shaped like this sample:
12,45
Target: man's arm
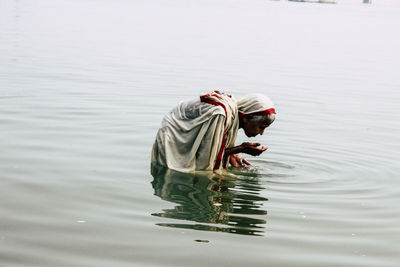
253,149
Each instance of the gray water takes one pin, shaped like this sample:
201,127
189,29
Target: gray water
84,86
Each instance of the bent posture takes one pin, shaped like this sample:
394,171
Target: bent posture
200,134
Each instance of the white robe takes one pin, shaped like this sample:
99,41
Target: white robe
192,134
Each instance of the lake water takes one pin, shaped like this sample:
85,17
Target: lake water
83,89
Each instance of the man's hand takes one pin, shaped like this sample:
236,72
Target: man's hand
237,161
253,149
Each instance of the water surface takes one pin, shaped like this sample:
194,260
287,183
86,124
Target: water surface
84,86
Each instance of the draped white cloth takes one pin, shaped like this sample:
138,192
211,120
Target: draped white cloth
195,133
255,103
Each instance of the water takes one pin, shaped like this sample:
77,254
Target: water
84,86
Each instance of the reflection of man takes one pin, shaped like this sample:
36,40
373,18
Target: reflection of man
195,193
206,198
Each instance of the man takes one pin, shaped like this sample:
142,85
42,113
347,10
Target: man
200,134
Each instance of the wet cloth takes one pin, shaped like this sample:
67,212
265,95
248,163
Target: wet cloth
194,135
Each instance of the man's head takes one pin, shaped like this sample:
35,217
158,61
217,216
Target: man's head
256,112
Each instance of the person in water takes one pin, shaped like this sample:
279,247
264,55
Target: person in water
200,134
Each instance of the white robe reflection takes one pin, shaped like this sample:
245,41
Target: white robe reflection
209,198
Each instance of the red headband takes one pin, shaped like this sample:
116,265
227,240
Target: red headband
262,113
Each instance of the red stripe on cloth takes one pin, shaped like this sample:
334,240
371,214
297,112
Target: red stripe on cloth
206,99
213,102
220,153
270,111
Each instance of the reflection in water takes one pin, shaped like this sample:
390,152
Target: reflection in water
219,204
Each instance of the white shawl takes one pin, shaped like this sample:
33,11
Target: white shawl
194,135
256,103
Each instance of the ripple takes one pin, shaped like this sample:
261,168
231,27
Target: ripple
274,164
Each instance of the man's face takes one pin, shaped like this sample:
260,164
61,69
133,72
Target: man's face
253,129
253,126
